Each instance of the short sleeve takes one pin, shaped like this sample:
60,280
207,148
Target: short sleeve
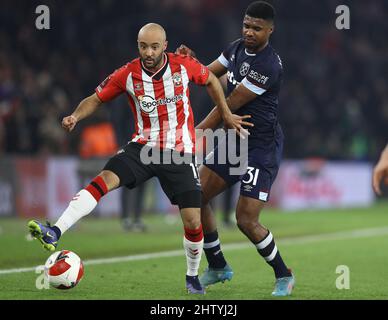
261,77
225,56
113,85
197,72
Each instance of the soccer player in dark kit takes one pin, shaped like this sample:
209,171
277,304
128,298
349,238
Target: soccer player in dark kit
156,85
254,75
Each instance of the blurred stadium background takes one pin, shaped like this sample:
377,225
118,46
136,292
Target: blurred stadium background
333,104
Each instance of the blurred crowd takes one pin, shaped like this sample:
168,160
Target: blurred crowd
333,104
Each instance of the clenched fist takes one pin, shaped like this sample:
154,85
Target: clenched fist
68,123
185,51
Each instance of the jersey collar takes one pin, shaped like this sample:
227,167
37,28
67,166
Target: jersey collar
249,54
257,53
159,73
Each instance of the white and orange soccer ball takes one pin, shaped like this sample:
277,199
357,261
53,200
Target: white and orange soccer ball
64,269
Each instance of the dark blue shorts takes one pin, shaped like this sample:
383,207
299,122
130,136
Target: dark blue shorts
258,170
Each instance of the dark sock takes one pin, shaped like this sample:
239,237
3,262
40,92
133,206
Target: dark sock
213,251
268,250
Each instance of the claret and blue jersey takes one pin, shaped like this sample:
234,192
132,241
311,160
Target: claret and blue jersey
262,74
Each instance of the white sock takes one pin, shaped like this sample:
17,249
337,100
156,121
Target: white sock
81,205
193,255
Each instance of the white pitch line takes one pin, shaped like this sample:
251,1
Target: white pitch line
352,234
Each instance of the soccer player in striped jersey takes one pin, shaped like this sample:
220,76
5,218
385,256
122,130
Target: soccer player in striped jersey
156,85
254,75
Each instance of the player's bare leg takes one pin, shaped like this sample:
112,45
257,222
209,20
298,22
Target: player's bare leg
212,185
193,245
247,215
81,205
218,269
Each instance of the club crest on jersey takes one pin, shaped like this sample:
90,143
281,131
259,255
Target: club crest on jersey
177,79
244,69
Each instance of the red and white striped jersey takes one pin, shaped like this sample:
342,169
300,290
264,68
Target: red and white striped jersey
159,101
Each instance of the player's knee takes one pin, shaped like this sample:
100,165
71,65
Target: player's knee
111,180
191,218
192,223
246,224
242,224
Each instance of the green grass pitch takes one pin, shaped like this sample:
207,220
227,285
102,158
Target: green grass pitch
312,243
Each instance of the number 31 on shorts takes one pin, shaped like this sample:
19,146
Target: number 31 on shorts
253,175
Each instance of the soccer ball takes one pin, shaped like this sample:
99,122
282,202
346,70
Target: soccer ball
64,269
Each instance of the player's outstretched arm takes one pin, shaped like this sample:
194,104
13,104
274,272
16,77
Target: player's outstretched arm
380,171
86,107
239,97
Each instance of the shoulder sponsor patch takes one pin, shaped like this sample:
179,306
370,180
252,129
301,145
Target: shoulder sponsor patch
103,84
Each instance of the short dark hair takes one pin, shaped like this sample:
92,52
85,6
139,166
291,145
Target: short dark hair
262,10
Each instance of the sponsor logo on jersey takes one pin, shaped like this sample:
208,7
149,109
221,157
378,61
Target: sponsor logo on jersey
231,79
103,84
244,69
258,77
148,103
